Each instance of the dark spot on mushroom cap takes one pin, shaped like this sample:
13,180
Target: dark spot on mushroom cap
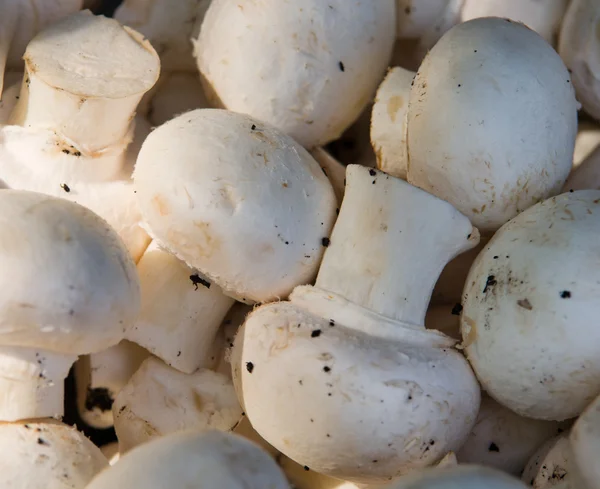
372,172
331,322
525,304
65,187
316,333
41,441
493,447
306,467
565,294
326,369
98,398
325,242
342,67
253,127
249,367
179,353
196,280
490,282
457,309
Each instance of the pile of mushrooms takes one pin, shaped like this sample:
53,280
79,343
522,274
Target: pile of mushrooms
299,244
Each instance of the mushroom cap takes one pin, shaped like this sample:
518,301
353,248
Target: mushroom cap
543,17
210,460
105,59
68,283
46,454
579,47
159,400
550,464
503,439
236,199
405,407
460,477
319,64
507,96
530,308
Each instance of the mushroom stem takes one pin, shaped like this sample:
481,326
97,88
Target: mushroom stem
76,85
32,382
379,216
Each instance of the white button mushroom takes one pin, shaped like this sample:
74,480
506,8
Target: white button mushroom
307,67
159,400
344,378
389,122
168,25
508,99
100,377
550,465
21,20
46,454
194,460
544,17
84,77
579,47
530,303
503,439
461,477
180,314
69,288
237,200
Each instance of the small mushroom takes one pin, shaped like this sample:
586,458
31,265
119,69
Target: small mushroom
460,477
543,17
210,460
512,144
159,400
389,122
100,377
21,20
579,47
550,465
47,454
254,223
69,288
344,378
180,314
503,439
529,308
319,62
169,26
84,77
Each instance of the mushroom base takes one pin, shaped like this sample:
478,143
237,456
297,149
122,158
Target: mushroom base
32,383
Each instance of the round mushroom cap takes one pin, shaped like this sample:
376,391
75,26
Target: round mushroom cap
68,283
236,199
46,454
307,67
211,460
459,477
508,98
530,308
109,61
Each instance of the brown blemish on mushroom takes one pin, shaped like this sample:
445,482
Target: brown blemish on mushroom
394,105
525,304
161,205
471,332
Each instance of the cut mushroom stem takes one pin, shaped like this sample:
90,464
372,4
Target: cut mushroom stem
32,385
159,400
84,77
294,363
181,312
